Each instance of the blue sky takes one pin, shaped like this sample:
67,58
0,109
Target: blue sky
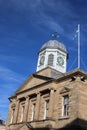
25,25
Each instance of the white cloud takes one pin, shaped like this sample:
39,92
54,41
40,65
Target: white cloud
8,58
10,76
44,13
25,4
9,82
49,13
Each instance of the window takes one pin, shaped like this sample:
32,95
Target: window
65,106
12,116
50,59
46,109
22,114
33,111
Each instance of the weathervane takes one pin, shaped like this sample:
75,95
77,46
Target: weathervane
55,35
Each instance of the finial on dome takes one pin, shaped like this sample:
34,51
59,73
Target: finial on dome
55,35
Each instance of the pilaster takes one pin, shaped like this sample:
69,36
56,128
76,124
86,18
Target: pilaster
26,109
37,107
51,103
16,111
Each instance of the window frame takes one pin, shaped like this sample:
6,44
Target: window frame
12,116
50,59
22,113
33,111
65,106
47,108
46,113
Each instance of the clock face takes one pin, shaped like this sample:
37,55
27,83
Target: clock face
60,61
42,60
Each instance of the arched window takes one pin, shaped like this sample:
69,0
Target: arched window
50,59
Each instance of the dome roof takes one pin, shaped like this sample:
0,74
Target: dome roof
54,44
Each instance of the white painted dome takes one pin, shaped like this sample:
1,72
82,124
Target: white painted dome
54,44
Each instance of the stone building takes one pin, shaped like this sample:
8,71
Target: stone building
50,98
2,125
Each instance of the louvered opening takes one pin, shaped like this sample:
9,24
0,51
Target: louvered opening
50,59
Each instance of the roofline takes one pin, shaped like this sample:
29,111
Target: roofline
62,78
33,75
36,76
52,48
49,67
72,73
41,77
16,93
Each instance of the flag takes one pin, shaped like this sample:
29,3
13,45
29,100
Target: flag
76,34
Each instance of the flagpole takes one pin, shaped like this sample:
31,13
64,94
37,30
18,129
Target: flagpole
78,45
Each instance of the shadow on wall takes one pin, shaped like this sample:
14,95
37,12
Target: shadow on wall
77,124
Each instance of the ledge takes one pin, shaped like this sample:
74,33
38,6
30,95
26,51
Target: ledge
48,119
63,118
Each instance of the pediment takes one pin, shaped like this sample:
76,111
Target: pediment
64,90
32,81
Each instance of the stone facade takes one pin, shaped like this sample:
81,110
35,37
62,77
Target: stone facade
49,103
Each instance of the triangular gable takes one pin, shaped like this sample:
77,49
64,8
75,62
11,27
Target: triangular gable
33,81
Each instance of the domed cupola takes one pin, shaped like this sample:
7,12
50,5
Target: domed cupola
53,44
52,54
